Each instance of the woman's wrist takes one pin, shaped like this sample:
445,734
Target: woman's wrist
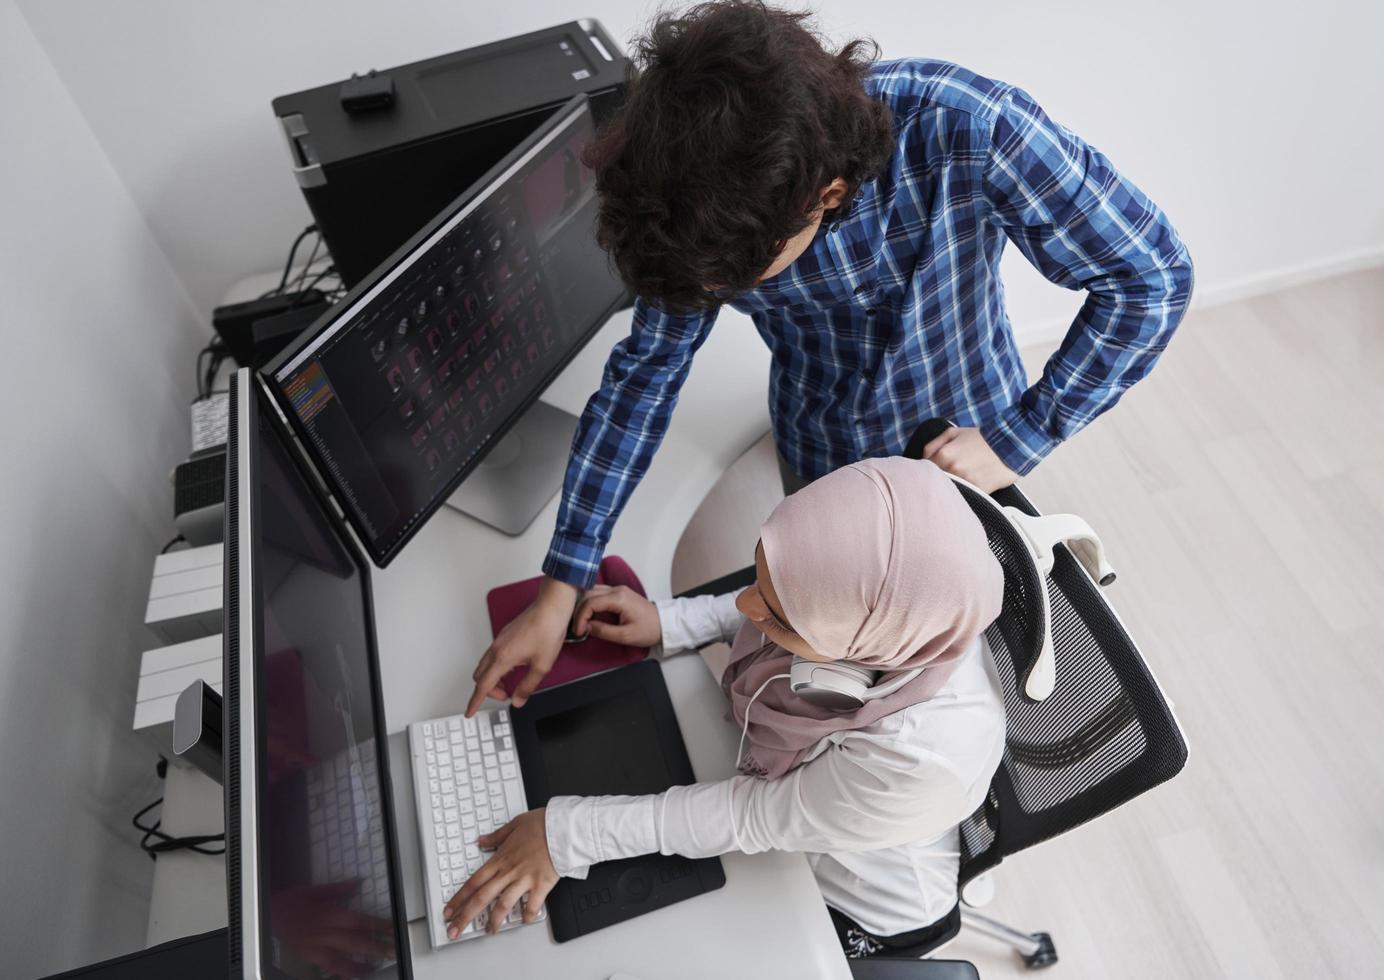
559,827
586,830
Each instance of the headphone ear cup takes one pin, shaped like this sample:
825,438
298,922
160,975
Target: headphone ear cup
837,686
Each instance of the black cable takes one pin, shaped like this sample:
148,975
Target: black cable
216,354
312,257
164,549
166,842
329,270
163,843
288,266
201,388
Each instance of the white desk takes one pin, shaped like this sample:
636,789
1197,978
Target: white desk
768,921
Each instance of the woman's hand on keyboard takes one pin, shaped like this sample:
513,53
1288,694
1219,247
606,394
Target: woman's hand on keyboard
521,868
636,618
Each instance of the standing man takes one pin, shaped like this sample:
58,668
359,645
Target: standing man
857,211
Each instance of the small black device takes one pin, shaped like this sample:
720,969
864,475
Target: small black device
235,322
401,389
198,718
378,156
364,93
199,496
272,334
613,733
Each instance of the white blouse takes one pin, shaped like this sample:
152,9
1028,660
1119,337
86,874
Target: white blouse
876,809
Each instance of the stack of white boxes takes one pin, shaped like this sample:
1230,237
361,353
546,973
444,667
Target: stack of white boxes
185,603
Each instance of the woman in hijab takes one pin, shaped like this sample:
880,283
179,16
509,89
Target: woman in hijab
880,564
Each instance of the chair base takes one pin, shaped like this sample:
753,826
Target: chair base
1036,949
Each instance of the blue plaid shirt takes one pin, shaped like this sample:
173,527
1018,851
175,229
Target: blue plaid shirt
895,313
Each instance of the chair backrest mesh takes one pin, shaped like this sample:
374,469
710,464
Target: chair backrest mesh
1105,735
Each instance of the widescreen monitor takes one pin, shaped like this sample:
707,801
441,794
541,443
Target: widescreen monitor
401,390
313,878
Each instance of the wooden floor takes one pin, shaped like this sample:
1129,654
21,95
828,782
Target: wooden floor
1240,493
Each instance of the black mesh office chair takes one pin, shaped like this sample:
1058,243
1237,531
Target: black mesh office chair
1102,736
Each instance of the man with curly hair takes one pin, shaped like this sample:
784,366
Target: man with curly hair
856,210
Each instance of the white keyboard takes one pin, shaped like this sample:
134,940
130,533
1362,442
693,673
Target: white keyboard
466,781
345,829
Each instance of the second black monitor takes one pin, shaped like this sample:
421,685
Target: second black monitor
409,381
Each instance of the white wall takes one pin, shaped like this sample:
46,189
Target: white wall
98,339
1254,122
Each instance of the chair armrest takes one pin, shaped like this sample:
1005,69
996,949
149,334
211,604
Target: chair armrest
734,582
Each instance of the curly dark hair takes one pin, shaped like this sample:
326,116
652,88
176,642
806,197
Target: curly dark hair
735,118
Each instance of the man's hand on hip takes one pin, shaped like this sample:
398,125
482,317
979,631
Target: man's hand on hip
965,453
533,638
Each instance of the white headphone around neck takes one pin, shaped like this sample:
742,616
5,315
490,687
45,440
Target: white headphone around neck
839,685
836,685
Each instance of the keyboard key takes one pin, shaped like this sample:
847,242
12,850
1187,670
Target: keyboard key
509,771
506,756
454,724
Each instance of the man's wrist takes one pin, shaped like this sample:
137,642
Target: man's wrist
556,594
571,563
1016,440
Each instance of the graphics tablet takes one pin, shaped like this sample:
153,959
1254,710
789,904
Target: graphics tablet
610,734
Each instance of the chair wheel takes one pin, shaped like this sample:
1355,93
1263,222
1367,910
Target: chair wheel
1044,956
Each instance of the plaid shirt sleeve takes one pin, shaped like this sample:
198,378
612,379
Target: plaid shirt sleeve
620,429
1084,227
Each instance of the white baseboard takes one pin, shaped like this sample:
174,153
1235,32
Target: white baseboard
1051,330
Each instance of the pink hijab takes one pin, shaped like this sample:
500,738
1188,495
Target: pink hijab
881,563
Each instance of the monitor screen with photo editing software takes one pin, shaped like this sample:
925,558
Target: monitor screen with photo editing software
401,390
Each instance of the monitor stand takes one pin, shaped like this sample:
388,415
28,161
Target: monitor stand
517,478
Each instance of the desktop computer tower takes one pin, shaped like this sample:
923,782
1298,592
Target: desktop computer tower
378,156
